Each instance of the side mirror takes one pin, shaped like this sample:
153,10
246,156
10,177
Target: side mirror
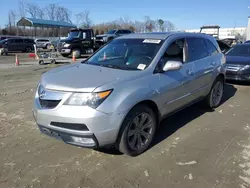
172,65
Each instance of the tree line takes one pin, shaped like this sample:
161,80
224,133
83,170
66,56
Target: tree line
82,19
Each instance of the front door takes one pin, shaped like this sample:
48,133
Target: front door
19,45
174,86
86,40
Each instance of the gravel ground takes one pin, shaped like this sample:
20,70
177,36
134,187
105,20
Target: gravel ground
195,148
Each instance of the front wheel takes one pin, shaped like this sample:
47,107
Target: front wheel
214,98
137,131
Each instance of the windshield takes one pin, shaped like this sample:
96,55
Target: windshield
74,34
111,32
4,40
241,50
127,54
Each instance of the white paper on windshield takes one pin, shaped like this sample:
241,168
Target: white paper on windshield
154,41
141,66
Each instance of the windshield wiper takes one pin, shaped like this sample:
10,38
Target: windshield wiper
111,66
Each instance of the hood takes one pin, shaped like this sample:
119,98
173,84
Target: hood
104,35
83,77
70,40
238,60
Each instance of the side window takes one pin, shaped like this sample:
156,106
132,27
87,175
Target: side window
119,32
175,51
18,40
211,48
197,49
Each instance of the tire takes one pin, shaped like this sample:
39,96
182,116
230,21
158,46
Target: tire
53,61
77,53
131,136
214,98
28,49
41,62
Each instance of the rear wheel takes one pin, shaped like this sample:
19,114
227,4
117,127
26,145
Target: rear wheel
137,131
41,62
215,95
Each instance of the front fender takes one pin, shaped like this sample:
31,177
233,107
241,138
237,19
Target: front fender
122,102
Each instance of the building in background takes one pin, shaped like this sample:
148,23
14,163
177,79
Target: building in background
248,29
240,32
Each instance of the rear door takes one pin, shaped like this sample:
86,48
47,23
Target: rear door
203,69
19,45
39,43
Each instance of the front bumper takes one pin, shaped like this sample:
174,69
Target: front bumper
65,51
78,125
237,76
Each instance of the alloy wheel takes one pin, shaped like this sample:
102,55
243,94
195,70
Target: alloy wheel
140,131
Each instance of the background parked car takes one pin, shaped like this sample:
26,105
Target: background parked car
43,43
18,44
55,43
238,63
102,39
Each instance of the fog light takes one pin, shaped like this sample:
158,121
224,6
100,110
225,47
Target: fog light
84,141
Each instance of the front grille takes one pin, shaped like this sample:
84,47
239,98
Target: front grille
49,103
99,38
233,68
72,126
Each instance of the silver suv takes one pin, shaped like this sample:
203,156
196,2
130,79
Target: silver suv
43,43
121,93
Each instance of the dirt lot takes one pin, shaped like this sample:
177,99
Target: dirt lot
193,149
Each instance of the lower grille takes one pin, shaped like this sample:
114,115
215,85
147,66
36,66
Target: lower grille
72,126
49,103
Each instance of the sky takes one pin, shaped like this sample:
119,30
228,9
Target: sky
185,14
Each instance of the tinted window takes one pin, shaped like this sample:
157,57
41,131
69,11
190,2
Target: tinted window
197,49
119,32
240,50
127,31
42,40
28,40
111,32
211,48
18,40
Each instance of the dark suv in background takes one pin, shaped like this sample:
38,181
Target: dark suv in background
108,36
18,44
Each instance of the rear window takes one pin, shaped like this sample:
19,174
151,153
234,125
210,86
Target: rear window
42,40
28,40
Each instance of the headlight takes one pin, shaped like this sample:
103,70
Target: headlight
66,45
92,100
245,67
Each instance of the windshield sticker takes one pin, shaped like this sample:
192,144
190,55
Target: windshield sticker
154,41
141,66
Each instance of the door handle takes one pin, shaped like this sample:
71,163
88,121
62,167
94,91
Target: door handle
213,63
